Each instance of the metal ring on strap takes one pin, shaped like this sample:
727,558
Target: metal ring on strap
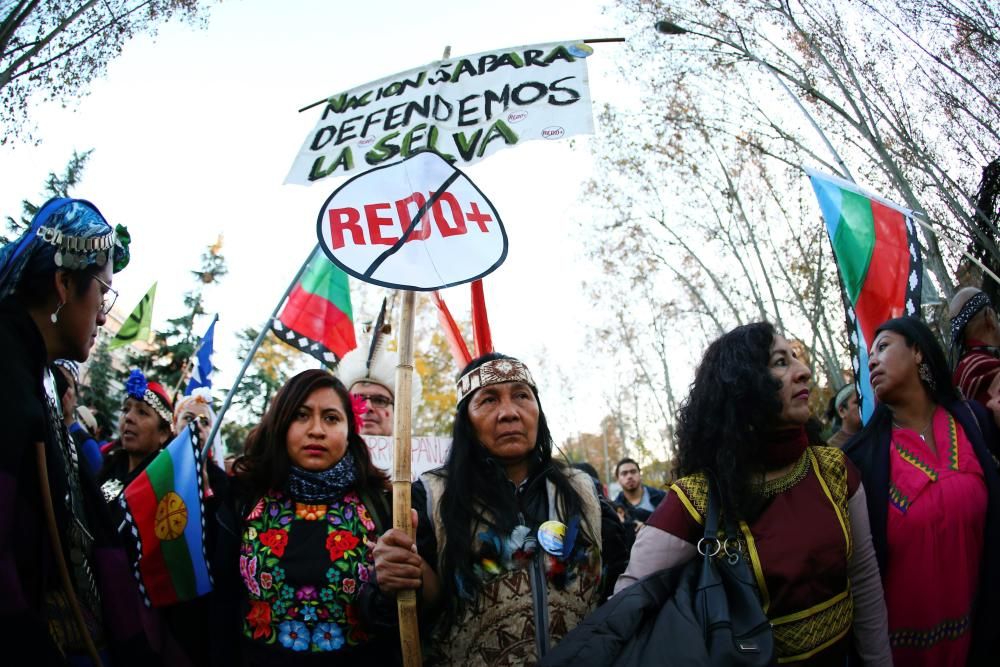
705,550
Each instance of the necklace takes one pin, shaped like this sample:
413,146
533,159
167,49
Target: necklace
922,431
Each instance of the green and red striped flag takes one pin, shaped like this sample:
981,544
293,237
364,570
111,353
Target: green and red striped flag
317,317
878,258
163,507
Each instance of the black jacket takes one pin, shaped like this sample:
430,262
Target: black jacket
869,450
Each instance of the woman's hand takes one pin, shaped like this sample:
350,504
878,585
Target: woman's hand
398,566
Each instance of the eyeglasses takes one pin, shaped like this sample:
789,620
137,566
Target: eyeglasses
377,400
106,304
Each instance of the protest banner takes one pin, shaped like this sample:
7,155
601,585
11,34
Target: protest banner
465,109
426,452
420,224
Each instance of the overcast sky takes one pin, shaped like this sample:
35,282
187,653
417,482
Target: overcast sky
195,131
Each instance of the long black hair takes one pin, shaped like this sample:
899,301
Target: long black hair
477,495
917,334
265,463
724,424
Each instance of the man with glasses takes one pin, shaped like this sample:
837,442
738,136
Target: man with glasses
371,379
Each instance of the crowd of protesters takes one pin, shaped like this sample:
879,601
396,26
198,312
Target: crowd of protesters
875,546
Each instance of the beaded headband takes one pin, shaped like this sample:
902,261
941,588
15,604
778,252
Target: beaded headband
496,371
138,388
73,250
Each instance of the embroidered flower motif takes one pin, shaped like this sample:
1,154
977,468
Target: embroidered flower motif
294,635
259,619
248,570
363,573
306,593
326,595
310,512
266,580
357,634
333,575
276,539
340,542
279,573
251,533
366,519
257,510
348,585
309,613
327,637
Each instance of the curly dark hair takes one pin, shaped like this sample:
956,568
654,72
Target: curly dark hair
478,493
722,425
265,463
917,334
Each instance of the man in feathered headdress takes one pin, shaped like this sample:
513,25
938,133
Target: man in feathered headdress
370,375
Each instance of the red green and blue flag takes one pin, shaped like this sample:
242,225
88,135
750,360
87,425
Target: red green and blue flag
317,317
878,257
163,508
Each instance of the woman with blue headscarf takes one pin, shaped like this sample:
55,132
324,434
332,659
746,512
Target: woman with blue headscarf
66,593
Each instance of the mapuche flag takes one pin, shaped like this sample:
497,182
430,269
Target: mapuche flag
138,324
878,258
317,317
164,511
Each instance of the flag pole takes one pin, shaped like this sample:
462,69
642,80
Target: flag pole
253,350
406,601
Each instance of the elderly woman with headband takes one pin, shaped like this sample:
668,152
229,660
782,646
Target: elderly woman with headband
62,575
927,460
513,547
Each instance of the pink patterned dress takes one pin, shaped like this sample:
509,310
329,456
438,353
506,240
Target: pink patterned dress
937,514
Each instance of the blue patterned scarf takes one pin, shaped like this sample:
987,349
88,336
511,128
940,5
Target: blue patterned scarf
324,487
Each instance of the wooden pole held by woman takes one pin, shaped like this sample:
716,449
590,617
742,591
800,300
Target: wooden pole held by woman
406,601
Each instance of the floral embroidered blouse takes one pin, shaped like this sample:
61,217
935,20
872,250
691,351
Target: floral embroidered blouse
303,569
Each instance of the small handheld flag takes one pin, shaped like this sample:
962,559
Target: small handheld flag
165,515
139,323
201,375
317,317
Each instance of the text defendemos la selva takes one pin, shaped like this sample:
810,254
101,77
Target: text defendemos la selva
464,109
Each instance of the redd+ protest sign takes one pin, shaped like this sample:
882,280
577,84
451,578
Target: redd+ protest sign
419,224
465,109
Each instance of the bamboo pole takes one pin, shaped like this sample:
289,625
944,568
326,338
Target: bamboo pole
406,601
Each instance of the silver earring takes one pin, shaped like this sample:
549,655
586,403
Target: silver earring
55,316
924,371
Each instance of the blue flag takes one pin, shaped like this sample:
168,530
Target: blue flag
201,375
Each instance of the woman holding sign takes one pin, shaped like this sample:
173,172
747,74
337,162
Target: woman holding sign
515,535
312,506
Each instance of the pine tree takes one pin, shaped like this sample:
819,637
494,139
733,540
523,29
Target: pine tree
55,186
172,350
101,388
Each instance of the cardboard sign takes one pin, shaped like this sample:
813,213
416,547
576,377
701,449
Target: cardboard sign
420,224
426,452
465,109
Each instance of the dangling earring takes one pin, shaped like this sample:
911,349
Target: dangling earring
924,371
55,316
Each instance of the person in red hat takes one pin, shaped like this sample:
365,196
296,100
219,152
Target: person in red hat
143,430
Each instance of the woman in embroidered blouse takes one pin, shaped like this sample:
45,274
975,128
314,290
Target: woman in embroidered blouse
800,508
311,497
933,500
488,526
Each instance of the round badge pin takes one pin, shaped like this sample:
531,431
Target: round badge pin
550,536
